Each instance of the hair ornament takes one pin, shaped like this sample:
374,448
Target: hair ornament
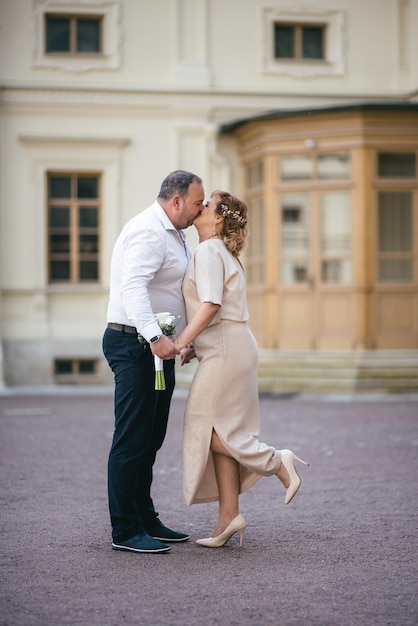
235,215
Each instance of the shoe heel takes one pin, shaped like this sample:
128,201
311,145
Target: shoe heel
288,459
296,458
241,536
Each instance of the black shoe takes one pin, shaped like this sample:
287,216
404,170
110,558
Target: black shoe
141,543
158,531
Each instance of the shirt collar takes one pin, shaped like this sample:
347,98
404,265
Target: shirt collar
165,220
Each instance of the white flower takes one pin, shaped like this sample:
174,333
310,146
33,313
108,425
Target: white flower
165,318
167,322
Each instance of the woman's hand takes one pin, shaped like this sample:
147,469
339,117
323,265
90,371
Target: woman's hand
187,354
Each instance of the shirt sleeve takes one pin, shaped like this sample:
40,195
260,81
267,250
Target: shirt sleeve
144,255
209,273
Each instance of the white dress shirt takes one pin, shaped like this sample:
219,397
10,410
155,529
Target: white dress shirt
148,264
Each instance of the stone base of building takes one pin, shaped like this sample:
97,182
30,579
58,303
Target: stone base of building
279,372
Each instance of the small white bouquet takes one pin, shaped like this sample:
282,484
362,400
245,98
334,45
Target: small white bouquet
167,322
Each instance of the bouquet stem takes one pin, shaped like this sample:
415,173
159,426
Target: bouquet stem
159,374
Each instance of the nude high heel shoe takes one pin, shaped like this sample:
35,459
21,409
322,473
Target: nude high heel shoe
237,525
288,458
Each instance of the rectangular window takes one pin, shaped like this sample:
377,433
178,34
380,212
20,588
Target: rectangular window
255,175
397,164
255,251
336,238
333,166
74,370
295,238
299,41
73,228
73,34
318,167
395,262
297,168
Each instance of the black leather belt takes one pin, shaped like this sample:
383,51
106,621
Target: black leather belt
122,328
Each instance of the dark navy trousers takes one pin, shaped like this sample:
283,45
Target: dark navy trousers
141,416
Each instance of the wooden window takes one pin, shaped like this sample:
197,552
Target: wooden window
395,252
319,167
73,34
397,164
255,175
335,224
397,181
75,370
73,228
295,244
255,262
299,41
255,259
297,167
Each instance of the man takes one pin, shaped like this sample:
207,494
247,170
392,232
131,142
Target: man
149,260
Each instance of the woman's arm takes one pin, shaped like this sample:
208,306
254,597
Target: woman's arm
201,320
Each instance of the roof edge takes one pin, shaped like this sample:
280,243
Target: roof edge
231,127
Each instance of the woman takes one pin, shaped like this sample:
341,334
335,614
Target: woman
222,455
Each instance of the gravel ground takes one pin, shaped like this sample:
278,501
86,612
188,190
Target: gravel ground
343,553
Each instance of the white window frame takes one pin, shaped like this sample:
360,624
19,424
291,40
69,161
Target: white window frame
107,59
334,62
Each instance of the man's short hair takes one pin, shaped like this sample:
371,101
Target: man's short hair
178,182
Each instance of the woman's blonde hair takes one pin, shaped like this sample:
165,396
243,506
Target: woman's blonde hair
234,228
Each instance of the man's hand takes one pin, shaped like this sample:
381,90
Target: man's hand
164,348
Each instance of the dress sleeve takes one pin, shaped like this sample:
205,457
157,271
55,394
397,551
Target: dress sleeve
209,273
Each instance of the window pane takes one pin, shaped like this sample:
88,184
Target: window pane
57,34
255,251
402,165
60,270
59,244
63,367
88,35
59,217
88,218
297,168
395,222
295,225
89,270
336,271
294,272
88,244
336,166
393,269
284,41
255,174
312,42
86,367
336,237
295,238
87,187
60,187
335,223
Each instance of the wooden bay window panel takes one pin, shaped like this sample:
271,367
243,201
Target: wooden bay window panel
397,164
297,168
295,245
255,261
334,166
336,238
395,243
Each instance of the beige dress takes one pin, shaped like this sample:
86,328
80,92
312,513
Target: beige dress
223,395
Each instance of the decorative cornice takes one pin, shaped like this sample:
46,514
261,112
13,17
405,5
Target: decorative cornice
109,142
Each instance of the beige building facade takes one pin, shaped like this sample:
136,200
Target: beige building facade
308,110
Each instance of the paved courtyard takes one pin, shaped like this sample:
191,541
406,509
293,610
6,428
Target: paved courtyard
343,553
